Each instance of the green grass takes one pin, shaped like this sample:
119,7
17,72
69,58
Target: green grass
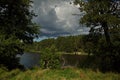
61,74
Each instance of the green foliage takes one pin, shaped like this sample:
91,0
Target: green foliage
16,28
105,14
61,74
102,13
106,57
49,58
6,75
47,43
98,11
69,44
8,50
101,56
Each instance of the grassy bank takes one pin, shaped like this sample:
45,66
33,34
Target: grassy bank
61,74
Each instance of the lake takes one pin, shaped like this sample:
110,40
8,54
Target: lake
28,60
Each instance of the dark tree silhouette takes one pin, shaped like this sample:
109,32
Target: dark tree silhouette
16,28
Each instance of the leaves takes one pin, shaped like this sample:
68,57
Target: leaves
16,28
50,58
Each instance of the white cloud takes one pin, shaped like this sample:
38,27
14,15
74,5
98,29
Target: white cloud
55,16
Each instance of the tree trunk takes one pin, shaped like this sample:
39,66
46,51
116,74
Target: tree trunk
106,33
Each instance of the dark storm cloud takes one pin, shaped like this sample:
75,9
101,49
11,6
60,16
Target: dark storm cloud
56,19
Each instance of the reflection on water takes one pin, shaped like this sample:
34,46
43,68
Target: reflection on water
29,59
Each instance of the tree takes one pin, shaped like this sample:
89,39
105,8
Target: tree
103,16
100,13
16,28
50,58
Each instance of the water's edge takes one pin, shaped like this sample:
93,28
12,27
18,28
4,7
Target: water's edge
28,60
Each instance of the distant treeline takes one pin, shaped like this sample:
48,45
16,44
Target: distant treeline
63,44
93,43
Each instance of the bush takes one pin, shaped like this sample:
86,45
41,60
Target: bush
49,58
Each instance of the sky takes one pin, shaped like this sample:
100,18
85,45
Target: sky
55,18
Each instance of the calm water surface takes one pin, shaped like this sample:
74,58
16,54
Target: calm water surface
29,59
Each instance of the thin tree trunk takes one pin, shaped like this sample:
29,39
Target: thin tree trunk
106,33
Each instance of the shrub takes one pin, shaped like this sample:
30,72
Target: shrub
49,58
